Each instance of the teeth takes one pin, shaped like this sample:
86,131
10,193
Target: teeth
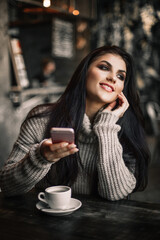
107,87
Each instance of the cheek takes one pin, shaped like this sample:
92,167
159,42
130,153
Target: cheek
120,87
92,75
92,79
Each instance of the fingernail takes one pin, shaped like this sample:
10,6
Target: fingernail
76,150
72,146
64,144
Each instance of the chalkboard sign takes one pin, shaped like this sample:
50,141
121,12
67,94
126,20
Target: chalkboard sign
62,38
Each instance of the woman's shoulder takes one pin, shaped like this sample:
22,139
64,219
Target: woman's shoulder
39,115
35,123
41,110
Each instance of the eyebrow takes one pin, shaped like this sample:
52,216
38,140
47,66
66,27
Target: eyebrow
111,65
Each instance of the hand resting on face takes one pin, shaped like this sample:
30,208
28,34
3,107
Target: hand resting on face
121,108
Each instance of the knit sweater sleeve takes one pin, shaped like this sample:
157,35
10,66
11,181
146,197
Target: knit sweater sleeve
25,166
116,181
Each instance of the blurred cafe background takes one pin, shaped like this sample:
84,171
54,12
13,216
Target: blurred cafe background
42,42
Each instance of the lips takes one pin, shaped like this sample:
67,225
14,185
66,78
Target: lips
107,87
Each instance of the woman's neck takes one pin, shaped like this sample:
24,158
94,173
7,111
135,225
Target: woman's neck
92,109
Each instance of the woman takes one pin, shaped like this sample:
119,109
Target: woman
110,156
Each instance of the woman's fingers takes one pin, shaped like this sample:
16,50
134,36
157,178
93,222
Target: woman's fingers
70,148
123,105
57,146
53,152
124,101
120,108
57,154
110,106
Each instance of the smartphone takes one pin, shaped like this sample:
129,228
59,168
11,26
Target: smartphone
62,135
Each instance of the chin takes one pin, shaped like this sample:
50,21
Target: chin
108,101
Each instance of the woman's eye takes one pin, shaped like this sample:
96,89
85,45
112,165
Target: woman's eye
104,67
121,77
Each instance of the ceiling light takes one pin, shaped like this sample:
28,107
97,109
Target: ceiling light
46,3
75,12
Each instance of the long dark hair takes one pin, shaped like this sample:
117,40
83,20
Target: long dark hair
69,111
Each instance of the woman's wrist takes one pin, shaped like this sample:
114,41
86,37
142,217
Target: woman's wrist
106,118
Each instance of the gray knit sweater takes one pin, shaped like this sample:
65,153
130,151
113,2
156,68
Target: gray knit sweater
100,151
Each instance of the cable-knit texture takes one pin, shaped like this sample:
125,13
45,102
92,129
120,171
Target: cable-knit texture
88,145
25,166
115,179
103,170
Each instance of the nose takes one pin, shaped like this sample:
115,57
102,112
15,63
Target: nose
111,79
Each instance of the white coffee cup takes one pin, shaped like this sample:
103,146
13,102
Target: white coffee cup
57,197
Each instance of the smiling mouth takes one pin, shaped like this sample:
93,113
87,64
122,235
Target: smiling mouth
107,87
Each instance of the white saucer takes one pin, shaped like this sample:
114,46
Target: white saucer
73,206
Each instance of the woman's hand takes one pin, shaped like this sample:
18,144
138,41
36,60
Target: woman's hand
54,152
122,107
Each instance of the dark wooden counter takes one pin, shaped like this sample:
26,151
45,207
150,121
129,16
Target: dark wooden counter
97,219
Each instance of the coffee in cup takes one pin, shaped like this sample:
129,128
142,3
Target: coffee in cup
57,197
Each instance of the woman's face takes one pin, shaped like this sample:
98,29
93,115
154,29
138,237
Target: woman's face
105,79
